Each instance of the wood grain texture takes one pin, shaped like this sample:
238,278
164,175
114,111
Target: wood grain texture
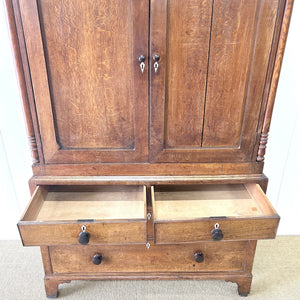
233,28
66,233
17,52
242,279
16,33
51,286
167,232
188,213
53,217
275,77
265,28
150,180
250,256
237,66
193,202
159,258
96,203
82,40
187,48
66,52
35,204
152,169
46,260
261,199
88,111
39,78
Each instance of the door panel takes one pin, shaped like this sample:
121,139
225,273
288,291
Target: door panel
230,56
97,103
187,49
85,46
207,92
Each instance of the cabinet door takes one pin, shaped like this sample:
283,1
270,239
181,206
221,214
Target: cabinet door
90,94
207,92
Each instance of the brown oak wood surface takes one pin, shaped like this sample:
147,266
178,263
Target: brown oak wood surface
87,111
192,214
232,229
162,258
221,125
63,206
111,215
94,119
187,49
161,169
232,36
18,47
266,13
280,37
208,201
149,180
66,233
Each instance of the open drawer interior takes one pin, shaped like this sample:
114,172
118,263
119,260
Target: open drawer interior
72,203
189,213
193,202
110,214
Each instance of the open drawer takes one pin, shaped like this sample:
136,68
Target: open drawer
61,215
212,212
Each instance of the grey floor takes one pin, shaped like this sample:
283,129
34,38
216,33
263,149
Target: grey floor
276,276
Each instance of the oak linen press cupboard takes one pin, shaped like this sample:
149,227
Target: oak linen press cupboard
148,123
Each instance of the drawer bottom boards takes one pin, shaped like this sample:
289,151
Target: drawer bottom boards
214,257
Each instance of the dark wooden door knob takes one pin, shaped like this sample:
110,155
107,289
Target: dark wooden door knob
199,257
97,259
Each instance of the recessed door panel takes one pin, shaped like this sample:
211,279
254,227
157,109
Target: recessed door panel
186,66
93,105
231,46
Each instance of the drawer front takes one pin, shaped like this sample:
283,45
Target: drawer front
212,213
239,229
68,233
59,215
225,256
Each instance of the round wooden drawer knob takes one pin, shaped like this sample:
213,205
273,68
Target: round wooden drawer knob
97,259
199,257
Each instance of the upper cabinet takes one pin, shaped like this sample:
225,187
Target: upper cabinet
128,81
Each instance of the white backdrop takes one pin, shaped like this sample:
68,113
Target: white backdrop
282,158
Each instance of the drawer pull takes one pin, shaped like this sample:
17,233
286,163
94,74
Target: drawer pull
199,257
97,259
84,237
216,233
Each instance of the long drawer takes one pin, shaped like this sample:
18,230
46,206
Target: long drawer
211,257
212,212
70,215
